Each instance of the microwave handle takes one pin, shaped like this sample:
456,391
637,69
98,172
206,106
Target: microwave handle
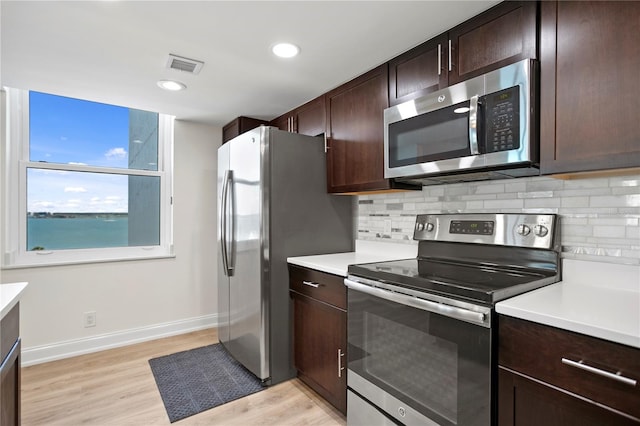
473,125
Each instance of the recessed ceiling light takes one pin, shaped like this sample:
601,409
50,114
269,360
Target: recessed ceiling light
285,50
172,85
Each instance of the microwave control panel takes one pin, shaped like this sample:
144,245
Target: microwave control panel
502,120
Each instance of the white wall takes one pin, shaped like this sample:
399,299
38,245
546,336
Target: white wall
135,300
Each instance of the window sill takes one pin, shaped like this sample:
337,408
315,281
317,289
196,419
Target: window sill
69,262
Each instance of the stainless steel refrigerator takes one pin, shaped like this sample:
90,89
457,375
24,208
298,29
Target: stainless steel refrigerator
272,204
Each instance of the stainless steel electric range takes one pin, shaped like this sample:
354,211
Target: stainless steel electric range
421,331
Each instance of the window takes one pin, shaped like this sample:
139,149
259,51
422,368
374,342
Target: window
85,181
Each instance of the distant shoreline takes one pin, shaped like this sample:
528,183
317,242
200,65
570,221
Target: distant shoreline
71,215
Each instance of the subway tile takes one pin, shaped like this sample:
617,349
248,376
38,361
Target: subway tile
624,190
576,230
574,201
586,183
544,184
503,204
540,210
633,233
515,187
625,181
535,194
494,188
582,192
409,206
541,203
473,206
632,200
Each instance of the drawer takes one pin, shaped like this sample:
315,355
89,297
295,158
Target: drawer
321,286
572,362
9,331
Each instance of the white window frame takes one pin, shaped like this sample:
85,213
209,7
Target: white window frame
16,156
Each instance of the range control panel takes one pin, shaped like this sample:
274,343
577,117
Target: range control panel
521,230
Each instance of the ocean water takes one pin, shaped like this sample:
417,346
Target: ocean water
77,233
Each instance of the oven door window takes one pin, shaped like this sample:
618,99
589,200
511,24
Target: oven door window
432,136
437,365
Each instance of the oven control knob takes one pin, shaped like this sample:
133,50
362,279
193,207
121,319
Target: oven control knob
540,230
524,229
419,226
402,411
429,227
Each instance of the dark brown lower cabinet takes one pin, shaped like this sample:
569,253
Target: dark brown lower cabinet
524,401
553,377
10,368
320,334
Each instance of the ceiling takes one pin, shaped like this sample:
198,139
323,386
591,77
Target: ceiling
115,51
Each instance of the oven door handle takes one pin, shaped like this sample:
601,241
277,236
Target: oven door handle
416,302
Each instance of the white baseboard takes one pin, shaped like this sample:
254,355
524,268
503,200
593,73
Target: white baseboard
60,350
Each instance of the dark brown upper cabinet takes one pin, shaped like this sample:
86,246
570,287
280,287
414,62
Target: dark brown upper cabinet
502,35
419,71
308,119
589,88
355,148
239,126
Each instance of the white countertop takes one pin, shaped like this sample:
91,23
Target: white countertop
366,252
9,296
597,299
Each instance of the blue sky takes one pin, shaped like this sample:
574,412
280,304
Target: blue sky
65,130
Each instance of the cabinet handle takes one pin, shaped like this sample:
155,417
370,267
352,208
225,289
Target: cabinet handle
439,58
340,367
615,376
326,143
450,56
311,284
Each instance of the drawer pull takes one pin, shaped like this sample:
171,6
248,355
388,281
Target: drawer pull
340,367
311,284
615,376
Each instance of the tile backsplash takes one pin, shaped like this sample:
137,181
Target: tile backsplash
599,217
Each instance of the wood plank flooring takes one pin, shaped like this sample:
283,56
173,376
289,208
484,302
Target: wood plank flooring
116,387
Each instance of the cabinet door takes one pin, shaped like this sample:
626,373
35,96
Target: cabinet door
500,36
552,355
283,122
589,89
355,138
10,388
419,71
525,402
309,118
320,341
239,126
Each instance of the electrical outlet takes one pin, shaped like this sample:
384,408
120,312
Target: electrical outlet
89,319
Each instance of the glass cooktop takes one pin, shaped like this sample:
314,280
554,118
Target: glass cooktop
477,282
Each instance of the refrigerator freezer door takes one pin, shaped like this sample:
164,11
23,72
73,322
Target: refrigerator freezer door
247,307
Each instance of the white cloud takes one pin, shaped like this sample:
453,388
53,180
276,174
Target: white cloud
116,152
77,164
42,204
74,189
113,198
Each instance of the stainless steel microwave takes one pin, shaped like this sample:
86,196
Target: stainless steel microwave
482,128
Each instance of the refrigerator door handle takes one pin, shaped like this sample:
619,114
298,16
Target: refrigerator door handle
223,223
230,249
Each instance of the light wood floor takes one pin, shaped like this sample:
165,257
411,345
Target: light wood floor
116,387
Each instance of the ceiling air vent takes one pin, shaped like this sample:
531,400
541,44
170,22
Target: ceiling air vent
184,64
